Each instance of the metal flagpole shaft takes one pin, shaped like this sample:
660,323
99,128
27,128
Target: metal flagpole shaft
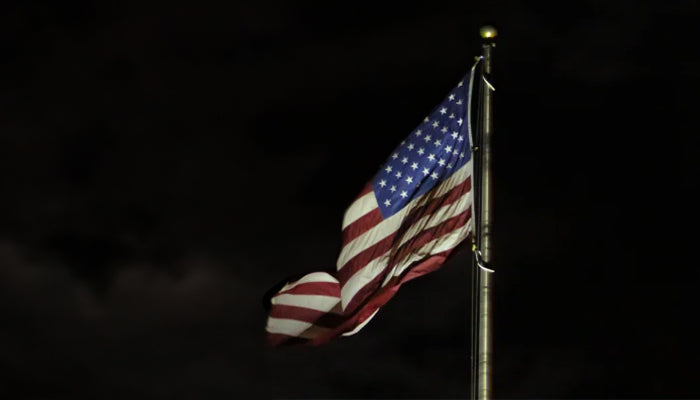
484,244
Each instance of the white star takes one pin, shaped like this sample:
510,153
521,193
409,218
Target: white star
460,138
443,111
392,188
435,124
448,148
425,171
388,168
459,121
421,151
414,166
410,146
452,116
382,183
434,175
444,129
461,155
395,156
459,101
431,157
426,119
449,166
427,138
403,142
409,180
460,84
452,97
437,143
387,202
455,152
404,194
419,132
398,174
454,134
404,160
441,162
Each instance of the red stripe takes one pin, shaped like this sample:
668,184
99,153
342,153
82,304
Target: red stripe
371,304
372,218
430,204
361,259
319,318
409,247
364,257
315,288
427,235
365,190
370,295
380,298
434,205
362,225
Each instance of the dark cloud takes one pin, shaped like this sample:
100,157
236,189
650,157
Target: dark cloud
131,340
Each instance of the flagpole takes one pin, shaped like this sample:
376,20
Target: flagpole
482,387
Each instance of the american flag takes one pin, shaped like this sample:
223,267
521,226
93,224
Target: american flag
403,224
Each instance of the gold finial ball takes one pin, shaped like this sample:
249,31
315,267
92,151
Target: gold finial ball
488,32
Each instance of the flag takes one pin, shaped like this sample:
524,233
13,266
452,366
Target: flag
403,224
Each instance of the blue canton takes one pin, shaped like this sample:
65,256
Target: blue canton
436,149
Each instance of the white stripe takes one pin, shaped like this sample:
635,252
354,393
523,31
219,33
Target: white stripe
313,302
310,278
441,215
435,246
363,277
292,327
360,207
450,210
389,225
377,266
372,236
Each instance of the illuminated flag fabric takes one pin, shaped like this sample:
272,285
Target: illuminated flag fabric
403,224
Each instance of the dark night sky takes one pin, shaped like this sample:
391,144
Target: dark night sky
164,165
